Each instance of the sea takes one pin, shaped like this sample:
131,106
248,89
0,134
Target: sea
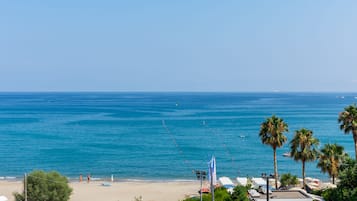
159,135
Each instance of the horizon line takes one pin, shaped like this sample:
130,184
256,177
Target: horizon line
158,91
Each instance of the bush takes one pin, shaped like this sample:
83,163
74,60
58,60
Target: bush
221,194
240,193
347,187
288,179
340,194
50,186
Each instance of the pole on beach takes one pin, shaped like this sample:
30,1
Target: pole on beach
267,188
201,175
25,186
201,190
212,186
265,176
212,174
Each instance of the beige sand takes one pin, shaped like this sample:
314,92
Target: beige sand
119,191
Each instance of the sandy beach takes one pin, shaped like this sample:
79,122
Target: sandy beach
119,191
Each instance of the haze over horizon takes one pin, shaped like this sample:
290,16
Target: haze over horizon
208,46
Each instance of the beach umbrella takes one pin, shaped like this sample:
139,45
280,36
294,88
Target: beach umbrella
3,198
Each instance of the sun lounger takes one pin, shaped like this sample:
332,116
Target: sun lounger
264,190
253,193
257,181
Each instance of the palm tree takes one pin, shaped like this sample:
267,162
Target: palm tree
330,159
303,148
272,134
348,122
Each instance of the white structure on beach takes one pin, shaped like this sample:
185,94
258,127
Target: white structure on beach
3,198
261,184
227,183
258,181
243,181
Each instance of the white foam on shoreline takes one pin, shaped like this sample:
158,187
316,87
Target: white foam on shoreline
116,179
9,178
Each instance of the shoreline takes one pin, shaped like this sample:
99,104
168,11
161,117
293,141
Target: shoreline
104,179
147,180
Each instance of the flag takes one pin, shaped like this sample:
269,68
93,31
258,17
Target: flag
212,171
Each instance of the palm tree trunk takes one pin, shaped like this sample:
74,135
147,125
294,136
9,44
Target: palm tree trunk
303,175
354,132
333,179
275,169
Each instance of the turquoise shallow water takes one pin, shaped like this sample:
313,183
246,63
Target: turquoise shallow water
158,135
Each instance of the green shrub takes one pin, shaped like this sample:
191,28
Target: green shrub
240,193
347,187
221,194
45,186
288,180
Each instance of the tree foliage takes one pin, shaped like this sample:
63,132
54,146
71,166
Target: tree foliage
304,148
348,123
240,193
288,179
272,134
45,186
221,194
347,187
347,163
330,160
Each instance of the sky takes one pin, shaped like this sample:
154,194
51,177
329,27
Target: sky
161,45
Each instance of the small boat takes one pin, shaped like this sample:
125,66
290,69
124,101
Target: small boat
287,154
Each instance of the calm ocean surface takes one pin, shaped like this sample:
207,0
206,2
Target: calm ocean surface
159,135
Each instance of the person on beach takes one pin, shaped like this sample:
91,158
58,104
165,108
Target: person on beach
88,178
80,178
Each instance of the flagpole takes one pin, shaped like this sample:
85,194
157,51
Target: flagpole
212,168
212,187
25,186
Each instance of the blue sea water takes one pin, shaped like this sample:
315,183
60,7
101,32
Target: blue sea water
159,135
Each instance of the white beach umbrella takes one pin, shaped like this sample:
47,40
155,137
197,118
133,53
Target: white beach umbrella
308,179
3,198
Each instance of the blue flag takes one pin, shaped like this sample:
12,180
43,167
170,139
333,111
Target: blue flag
212,170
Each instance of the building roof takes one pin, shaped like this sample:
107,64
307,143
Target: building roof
294,195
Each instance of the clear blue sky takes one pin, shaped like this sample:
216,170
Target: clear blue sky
200,45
